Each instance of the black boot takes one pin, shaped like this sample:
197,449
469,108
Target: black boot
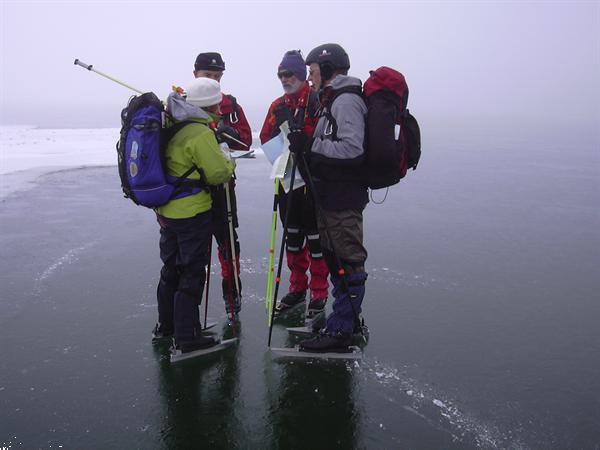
315,307
324,343
232,299
290,300
161,332
199,342
233,306
316,323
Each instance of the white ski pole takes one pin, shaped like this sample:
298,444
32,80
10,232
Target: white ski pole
91,68
232,238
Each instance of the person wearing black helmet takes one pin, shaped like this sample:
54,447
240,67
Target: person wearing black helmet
233,122
336,162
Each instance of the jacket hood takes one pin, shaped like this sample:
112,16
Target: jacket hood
342,81
181,110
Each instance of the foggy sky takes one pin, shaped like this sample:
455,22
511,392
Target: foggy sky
536,60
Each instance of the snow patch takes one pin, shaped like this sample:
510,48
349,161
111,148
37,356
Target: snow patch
26,153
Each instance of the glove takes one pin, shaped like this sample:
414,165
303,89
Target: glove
225,129
281,114
298,141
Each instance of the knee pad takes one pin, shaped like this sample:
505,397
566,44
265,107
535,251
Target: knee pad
314,246
294,241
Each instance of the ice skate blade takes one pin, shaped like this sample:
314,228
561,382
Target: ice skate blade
302,332
209,325
307,332
295,352
311,317
244,154
158,339
161,339
177,356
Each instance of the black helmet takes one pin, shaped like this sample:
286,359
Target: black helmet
329,57
333,54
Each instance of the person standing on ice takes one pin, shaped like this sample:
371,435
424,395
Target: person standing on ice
335,158
186,223
298,106
233,122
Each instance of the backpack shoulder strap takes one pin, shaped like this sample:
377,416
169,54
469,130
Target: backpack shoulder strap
313,104
168,134
347,89
331,129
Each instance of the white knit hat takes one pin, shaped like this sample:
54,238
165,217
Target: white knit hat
204,92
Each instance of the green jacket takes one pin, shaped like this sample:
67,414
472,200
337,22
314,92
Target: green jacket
195,145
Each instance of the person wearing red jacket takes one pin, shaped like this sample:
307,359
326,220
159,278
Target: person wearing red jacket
234,123
299,106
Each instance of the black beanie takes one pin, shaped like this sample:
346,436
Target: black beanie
209,61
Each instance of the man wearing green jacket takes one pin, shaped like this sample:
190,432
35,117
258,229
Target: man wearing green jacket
186,223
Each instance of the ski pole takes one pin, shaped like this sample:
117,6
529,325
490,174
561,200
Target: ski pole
90,67
207,282
232,248
283,239
269,293
341,272
229,283
234,139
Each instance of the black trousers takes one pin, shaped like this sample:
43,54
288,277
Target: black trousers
302,221
184,253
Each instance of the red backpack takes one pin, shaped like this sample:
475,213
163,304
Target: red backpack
392,134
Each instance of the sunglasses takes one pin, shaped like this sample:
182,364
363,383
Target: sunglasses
285,74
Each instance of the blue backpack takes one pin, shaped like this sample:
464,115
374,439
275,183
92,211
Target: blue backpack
141,153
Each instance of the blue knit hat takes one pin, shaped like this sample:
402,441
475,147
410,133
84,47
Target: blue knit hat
293,61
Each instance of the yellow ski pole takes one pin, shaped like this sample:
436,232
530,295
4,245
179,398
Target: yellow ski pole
270,270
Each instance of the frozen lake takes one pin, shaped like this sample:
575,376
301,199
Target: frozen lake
482,301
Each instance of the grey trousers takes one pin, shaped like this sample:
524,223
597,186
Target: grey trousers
345,228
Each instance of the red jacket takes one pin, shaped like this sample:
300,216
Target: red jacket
302,106
233,116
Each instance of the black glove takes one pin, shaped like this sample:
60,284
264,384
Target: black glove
281,113
298,141
225,129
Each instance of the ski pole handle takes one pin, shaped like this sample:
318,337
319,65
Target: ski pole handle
82,64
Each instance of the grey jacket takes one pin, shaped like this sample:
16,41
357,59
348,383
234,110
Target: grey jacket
349,112
337,153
